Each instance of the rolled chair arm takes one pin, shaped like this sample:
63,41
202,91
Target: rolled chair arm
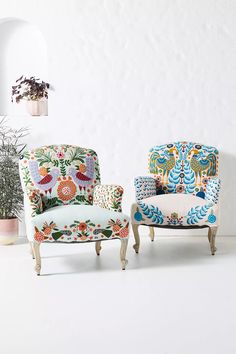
145,187
213,190
35,202
108,197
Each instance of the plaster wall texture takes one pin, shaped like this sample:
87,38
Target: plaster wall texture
129,74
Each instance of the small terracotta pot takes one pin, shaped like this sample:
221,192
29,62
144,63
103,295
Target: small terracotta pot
37,108
8,231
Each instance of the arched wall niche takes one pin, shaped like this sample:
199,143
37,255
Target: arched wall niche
23,51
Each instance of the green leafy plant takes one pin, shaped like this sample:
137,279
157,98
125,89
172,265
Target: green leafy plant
29,89
11,194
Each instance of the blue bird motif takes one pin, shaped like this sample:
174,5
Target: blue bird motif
199,165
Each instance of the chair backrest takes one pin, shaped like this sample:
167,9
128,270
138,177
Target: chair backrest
64,174
183,167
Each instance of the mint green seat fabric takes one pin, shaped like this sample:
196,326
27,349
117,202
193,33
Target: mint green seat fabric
65,201
79,223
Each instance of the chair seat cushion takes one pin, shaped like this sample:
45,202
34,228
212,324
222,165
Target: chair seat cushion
175,210
78,223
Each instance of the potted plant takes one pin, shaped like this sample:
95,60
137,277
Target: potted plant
34,91
11,195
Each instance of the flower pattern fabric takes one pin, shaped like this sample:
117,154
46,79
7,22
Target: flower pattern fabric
35,201
108,196
73,223
64,199
63,174
82,231
66,190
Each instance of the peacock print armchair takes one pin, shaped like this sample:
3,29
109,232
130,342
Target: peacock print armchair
65,202
182,191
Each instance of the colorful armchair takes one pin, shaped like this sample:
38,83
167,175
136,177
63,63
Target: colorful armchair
183,191
65,202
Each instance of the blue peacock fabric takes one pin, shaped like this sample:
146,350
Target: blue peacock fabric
184,168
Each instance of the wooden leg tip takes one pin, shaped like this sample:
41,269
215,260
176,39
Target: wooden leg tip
213,251
38,271
124,264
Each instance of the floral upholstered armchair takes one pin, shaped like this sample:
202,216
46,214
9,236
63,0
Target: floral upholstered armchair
65,202
183,191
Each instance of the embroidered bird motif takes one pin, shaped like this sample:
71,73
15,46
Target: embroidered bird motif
199,165
84,177
166,163
45,183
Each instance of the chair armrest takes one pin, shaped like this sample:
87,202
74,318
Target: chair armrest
108,197
213,190
145,187
35,202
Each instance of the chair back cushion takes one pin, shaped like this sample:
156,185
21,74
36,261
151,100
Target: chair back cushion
64,174
183,167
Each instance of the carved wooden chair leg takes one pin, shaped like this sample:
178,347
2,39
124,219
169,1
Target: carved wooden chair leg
209,235
98,247
152,233
212,236
136,237
36,246
32,250
123,249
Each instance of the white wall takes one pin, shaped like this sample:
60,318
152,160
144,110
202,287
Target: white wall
19,57
130,74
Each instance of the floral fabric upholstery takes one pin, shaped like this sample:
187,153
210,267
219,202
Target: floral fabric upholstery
78,223
183,190
35,201
108,196
64,201
63,174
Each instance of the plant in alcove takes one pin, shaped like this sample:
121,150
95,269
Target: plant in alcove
11,194
34,91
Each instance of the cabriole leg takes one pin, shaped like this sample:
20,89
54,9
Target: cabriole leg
123,249
136,237
211,237
36,246
32,250
98,247
152,234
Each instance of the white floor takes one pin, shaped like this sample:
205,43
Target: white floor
174,298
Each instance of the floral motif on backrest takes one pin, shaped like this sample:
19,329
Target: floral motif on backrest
183,167
64,174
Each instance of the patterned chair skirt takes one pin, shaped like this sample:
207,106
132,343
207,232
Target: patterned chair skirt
78,223
175,210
